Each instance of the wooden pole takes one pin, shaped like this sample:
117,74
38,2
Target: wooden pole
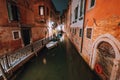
3,72
6,60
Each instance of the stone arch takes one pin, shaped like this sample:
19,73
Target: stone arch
108,39
106,49
104,60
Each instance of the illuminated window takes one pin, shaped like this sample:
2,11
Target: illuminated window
41,10
16,34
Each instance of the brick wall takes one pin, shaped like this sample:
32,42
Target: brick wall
7,42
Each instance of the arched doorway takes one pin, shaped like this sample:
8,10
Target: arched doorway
111,46
104,60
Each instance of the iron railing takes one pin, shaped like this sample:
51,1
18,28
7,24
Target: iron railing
9,61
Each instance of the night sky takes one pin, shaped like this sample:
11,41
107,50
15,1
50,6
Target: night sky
60,4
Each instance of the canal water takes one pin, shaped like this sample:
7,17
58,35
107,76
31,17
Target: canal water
60,63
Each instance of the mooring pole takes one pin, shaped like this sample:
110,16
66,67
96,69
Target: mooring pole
3,72
6,60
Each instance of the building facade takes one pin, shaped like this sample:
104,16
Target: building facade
25,21
16,18
46,18
94,26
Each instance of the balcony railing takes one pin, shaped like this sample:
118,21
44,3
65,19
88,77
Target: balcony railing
11,60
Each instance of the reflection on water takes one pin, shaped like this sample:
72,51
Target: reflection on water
61,63
77,68
62,38
44,61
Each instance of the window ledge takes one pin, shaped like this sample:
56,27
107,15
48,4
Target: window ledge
14,21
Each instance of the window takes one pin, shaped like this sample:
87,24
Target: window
80,33
75,31
89,33
13,12
51,14
76,12
47,11
41,10
82,6
72,30
16,35
92,3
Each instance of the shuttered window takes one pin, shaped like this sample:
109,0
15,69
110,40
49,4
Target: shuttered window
76,12
13,12
82,6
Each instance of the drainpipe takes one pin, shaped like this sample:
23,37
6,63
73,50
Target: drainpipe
3,72
83,27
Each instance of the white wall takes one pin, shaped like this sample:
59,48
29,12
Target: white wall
79,23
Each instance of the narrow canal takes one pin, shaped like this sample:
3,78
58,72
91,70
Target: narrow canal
60,63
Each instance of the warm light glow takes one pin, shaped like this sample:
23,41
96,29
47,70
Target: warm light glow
50,24
44,61
41,10
62,39
63,27
58,28
50,31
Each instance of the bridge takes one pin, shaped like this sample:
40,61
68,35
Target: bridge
12,61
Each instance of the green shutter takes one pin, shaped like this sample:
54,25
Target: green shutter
10,12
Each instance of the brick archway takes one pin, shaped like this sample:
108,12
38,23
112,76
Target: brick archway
110,40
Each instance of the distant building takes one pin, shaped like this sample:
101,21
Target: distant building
64,19
46,17
94,28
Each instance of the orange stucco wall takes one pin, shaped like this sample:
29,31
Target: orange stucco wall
104,20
